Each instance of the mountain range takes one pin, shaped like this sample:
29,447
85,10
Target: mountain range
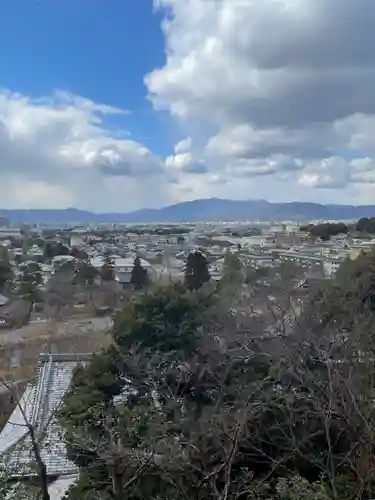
210,209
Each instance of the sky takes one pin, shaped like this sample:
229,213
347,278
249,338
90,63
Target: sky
116,105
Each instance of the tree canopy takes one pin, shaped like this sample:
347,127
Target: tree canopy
196,271
30,281
326,230
54,248
107,272
195,401
366,225
139,277
6,269
232,271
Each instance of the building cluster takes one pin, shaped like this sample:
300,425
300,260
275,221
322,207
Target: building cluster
163,249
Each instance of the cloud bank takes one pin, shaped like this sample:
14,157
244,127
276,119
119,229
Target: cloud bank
282,88
274,99
60,151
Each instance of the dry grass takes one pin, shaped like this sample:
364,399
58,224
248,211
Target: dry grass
18,360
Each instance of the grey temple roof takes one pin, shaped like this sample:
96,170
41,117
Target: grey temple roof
39,403
3,300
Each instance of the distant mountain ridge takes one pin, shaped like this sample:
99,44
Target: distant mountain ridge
210,209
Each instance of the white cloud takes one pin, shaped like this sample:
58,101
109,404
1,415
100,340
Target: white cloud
337,172
60,150
184,161
273,62
281,89
183,146
329,173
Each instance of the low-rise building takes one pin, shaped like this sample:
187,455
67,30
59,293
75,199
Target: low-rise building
122,267
314,265
10,232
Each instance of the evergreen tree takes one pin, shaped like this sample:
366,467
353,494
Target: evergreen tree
139,277
86,275
232,272
111,439
6,270
30,281
53,248
196,271
79,254
107,272
61,288
164,319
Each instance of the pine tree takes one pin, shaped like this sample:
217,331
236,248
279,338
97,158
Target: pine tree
196,272
139,277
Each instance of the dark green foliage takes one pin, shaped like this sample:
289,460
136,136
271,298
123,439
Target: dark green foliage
174,384
326,230
350,297
78,253
61,288
52,249
30,281
366,225
86,416
164,319
6,270
232,273
107,272
86,273
139,277
93,388
196,272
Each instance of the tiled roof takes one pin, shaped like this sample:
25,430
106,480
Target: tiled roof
15,429
43,399
57,489
3,300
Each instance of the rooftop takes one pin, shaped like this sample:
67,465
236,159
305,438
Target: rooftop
39,405
3,300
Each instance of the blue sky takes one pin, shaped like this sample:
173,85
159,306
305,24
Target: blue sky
231,98
100,49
